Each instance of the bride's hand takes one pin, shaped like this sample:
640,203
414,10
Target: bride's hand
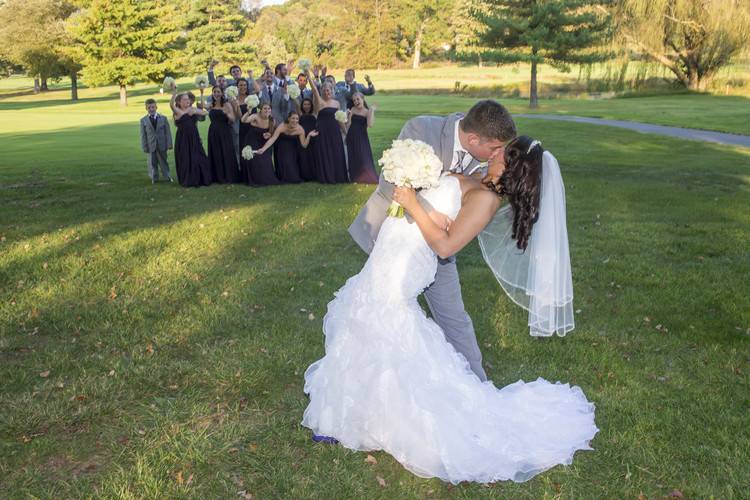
442,220
406,197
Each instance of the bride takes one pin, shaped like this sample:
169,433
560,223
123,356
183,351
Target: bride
390,381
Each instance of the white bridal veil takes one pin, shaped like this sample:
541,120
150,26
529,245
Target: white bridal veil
539,279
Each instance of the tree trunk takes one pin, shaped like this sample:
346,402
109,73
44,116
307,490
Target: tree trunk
36,85
418,47
533,100
123,95
481,63
74,86
45,88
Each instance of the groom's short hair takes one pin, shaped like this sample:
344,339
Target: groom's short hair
489,119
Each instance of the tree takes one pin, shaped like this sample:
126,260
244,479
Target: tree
424,24
32,35
126,41
557,32
692,38
215,30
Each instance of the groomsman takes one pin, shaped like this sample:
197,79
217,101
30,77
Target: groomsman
305,92
273,90
235,71
156,140
345,89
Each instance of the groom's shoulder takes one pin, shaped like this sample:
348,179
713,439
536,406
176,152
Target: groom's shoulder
422,123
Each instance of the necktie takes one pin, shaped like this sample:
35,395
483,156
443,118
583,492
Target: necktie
270,92
153,120
459,164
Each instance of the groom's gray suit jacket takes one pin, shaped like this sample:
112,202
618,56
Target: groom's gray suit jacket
438,132
444,295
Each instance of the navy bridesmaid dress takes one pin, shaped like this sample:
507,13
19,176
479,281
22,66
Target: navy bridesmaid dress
259,171
191,162
221,153
307,155
287,159
361,164
330,158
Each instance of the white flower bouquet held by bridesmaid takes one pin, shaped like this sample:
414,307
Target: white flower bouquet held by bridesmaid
168,83
293,91
231,92
410,163
247,153
201,81
252,101
340,116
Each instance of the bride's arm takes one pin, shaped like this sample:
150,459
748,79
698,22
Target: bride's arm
477,209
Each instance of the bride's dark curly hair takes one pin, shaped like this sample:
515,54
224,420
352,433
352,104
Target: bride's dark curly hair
521,183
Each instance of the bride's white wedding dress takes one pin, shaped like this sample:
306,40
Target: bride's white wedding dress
390,381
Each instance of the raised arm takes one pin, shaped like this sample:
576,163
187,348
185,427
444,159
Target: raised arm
371,115
305,139
370,89
316,94
229,110
477,209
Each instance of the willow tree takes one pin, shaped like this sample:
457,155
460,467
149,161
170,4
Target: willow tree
556,32
694,39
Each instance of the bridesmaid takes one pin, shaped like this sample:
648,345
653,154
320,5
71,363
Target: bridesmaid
330,157
309,122
191,162
221,152
361,164
290,136
259,171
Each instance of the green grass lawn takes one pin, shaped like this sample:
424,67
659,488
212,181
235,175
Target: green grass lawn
153,339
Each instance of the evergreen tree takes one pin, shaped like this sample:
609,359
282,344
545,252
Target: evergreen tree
216,30
126,41
557,32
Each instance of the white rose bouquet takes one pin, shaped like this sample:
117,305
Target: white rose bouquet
168,83
340,116
304,65
201,81
252,101
247,153
293,90
410,163
231,92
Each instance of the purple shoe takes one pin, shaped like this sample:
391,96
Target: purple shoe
324,439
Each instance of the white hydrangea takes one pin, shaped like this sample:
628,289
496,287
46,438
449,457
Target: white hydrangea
201,81
247,153
304,65
168,83
252,101
293,90
231,92
340,116
410,163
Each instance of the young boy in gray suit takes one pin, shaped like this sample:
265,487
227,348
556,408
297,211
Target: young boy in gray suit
156,140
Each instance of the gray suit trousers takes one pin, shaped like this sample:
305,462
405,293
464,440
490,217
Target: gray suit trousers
156,159
447,307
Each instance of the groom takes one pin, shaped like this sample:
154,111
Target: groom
462,142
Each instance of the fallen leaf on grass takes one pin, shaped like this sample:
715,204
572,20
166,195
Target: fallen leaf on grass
244,494
112,293
371,460
44,374
381,481
676,494
150,349
311,316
